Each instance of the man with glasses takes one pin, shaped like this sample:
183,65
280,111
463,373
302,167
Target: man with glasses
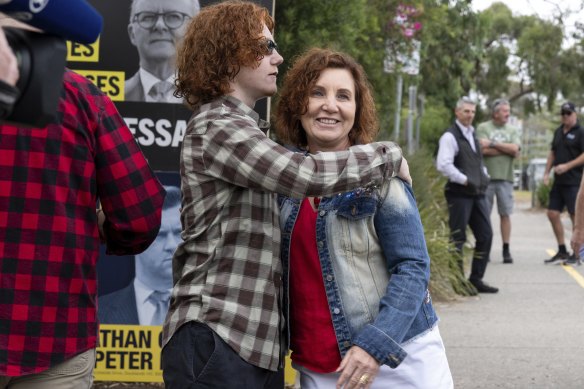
156,27
566,158
500,144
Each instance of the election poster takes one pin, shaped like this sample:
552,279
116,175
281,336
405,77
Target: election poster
133,62
132,57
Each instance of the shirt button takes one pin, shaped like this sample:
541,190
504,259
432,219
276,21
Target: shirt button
346,343
336,311
329,277
320,244
322,213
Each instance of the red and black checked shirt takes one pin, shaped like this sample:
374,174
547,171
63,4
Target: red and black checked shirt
50,180
227,271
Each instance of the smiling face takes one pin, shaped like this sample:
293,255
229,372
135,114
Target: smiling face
254,83
158,43
331,111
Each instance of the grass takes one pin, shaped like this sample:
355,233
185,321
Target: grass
522,195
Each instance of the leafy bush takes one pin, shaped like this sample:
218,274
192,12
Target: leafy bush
542,194
445,279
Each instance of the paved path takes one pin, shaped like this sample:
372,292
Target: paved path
530,334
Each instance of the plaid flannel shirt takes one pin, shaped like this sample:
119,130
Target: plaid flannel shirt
50,181
227,271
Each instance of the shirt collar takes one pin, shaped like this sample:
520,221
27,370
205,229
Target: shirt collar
234,102
465,130
148,79
142,291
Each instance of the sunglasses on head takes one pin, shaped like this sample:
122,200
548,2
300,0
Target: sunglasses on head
566,113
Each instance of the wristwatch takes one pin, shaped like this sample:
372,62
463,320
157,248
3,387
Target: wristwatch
492,144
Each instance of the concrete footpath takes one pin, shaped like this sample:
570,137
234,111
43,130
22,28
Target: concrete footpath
531,333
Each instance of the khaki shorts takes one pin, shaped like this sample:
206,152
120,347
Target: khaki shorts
74,373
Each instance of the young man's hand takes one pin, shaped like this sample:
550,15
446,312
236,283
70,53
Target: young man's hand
404,172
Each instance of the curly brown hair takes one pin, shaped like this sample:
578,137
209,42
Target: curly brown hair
218,41
301,78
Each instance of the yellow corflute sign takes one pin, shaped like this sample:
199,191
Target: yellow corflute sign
129,353
111,83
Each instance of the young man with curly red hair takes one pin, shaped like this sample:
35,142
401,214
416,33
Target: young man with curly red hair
225,327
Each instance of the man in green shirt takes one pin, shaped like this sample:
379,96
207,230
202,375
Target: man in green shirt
500,144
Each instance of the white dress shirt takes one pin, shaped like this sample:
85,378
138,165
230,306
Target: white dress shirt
148,80
448,150
145,306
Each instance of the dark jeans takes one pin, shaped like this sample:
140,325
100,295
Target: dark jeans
471,211
196,357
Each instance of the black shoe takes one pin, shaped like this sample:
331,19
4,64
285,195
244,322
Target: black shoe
558,257
572,260
483,287
507,258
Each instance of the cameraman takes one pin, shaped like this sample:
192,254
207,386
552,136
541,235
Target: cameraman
8,77
53,178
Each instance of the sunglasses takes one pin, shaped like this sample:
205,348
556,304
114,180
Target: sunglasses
172,20
269,46
566,113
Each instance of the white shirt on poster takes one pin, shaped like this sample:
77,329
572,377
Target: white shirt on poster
148,80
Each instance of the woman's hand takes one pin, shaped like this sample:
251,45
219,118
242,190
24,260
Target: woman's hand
358,369
404,171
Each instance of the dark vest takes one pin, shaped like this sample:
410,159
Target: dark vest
470,163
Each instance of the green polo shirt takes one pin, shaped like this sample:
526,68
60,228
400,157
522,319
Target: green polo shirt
500,167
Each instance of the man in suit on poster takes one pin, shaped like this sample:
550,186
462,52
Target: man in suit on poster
145,300
155,28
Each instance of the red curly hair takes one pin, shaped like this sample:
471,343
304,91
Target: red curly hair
299,81
218,42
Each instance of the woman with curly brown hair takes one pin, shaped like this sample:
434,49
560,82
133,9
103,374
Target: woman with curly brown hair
356,264
224,327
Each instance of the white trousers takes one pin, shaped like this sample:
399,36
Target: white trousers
425,367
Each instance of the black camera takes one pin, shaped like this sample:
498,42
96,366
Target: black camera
41,64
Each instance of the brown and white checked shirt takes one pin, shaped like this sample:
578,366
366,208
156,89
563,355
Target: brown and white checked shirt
227,271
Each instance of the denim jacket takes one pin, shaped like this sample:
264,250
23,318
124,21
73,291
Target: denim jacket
375,267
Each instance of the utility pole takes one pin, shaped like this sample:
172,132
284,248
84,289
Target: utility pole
398,103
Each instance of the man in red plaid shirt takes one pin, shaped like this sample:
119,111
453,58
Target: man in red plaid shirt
50,181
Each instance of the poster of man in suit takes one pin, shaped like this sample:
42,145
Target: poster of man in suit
156,28
145,299
133,62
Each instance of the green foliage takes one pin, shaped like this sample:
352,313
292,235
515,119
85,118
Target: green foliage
436,119
489,54
445,280
447,57
543,194
539,45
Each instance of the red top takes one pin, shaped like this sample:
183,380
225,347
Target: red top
50,181
313,340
